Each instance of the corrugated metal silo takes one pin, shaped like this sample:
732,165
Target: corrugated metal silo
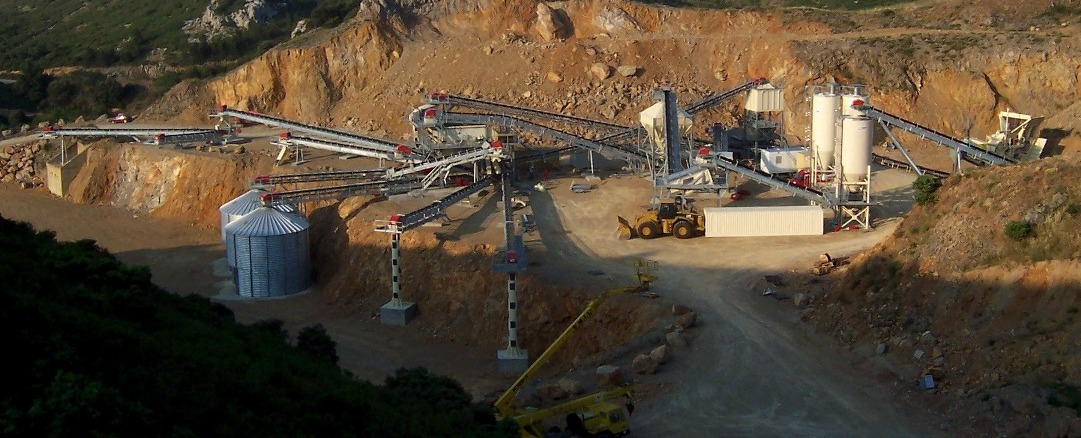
271,252
237,208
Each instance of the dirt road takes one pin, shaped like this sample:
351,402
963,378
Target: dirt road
754,370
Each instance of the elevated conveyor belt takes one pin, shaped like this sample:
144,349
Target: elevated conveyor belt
717,99
571,139
331,134
543,155
382,152
344,175
122,132
518,111
338,192
401,223
188,137
810,194
970,153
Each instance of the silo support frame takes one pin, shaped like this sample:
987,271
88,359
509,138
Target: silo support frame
396,311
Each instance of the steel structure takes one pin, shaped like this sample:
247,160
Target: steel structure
968,152
399,153
521,112
224,113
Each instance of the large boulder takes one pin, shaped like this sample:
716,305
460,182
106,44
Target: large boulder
614,20
660,354
687,320
551,24
643,364
601,70
609,375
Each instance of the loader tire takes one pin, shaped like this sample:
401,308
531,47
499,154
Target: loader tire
649,230
683,230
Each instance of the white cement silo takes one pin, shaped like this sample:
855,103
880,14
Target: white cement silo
824,108
857,136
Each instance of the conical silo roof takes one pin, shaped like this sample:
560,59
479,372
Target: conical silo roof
266,221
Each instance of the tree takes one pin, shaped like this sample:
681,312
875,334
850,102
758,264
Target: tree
315,341
925,187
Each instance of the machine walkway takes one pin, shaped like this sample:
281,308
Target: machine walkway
970,153
571,139
330,134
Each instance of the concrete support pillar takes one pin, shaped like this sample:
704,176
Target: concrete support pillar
513,360
396,311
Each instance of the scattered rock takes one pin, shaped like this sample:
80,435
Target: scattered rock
553,77
488,50
570,386
918,354
643,364
627,70
615,20
239,150
609,375
527,94
552,391
675,339
601,70
660,354
880,349
936,352
679,309
301,27
687,320
801,300
591,51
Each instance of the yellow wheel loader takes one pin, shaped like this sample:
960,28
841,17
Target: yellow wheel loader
676,217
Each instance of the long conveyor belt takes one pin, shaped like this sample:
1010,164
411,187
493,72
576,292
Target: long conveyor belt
970,153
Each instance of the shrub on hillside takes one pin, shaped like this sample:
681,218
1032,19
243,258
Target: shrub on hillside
925,187
1018,230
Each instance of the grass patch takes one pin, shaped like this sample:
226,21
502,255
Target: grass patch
1064,395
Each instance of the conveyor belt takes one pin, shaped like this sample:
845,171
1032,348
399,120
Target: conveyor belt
338,192
344,175
331,134
716,99
518,111
771,180
970,153
571,139
405,222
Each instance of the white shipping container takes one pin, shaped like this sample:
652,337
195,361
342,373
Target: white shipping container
764,221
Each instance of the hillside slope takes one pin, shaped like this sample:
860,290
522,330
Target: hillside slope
993,318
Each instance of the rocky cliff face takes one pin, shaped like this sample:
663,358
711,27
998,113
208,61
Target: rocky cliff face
370,74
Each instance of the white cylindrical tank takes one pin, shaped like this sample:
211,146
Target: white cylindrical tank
824,127
857,136
271,253
851,96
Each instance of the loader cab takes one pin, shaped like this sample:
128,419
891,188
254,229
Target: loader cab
667,210
606,418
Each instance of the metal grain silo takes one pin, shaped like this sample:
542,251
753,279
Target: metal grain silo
271,253
237,208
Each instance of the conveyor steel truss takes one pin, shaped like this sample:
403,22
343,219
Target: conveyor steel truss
521,112
571,139
331,134
970,153
338,192
810,194
401,223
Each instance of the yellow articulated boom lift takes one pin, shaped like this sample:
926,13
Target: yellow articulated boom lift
598,414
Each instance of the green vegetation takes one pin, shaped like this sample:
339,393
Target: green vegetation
1065,395
925,187
1018,230
81,93
95,349
819,4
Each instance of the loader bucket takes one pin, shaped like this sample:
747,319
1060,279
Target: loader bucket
626,231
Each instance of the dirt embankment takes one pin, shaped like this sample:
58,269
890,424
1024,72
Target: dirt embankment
993,318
